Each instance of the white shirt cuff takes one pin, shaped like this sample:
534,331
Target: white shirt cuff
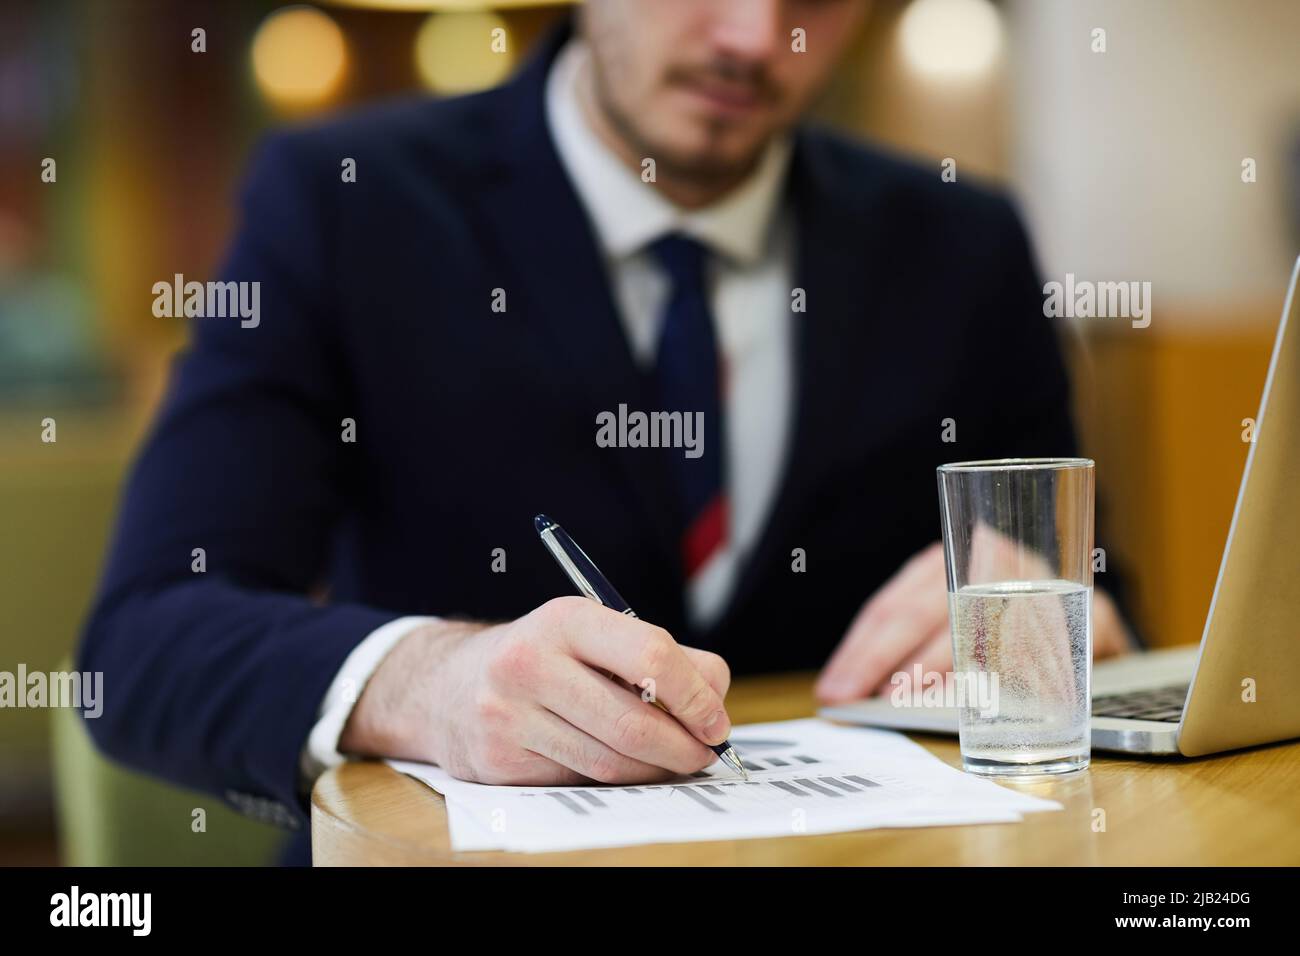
322,749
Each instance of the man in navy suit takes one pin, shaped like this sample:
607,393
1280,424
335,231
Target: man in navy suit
327,547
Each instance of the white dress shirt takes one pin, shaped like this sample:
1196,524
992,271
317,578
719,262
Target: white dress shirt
750,235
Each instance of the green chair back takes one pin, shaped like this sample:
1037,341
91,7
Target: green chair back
111,816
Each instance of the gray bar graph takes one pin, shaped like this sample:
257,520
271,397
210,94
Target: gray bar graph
862,780
569,802
580,802
817,787
701,799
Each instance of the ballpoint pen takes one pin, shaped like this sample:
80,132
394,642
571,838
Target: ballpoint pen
586,577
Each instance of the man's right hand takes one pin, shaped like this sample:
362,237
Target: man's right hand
529,702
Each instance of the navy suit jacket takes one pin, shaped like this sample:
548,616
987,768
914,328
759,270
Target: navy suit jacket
922,304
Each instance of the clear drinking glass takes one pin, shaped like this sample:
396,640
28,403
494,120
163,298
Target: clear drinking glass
1017,538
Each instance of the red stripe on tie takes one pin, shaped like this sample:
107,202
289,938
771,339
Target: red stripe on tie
705,535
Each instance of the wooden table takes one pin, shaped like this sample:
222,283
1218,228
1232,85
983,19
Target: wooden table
1236,809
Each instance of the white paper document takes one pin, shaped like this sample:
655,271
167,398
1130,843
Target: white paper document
806,776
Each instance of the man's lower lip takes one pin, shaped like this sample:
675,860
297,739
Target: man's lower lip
723,102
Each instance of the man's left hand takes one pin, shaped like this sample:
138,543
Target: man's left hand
905,623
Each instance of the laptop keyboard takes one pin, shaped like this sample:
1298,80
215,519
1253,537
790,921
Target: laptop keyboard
1162,703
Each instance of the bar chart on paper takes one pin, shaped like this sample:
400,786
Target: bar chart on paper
806,777
721,797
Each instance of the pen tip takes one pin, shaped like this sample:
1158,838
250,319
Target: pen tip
733,761
543,523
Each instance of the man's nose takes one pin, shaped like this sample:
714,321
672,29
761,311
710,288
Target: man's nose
747,30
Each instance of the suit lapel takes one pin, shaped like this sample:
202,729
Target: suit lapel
546,241
838,265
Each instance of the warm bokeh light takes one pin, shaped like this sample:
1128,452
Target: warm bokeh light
460,53
299,57
951,39
403,5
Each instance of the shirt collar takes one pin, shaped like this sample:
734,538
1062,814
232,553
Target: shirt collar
627,215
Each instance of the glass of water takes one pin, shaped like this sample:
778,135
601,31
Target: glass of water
1017,538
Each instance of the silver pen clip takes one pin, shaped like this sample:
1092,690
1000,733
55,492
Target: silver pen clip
562,557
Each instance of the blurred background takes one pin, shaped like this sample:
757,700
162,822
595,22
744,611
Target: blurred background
1127,163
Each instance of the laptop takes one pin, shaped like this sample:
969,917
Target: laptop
1237,688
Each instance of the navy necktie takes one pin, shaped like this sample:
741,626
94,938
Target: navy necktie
689,379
